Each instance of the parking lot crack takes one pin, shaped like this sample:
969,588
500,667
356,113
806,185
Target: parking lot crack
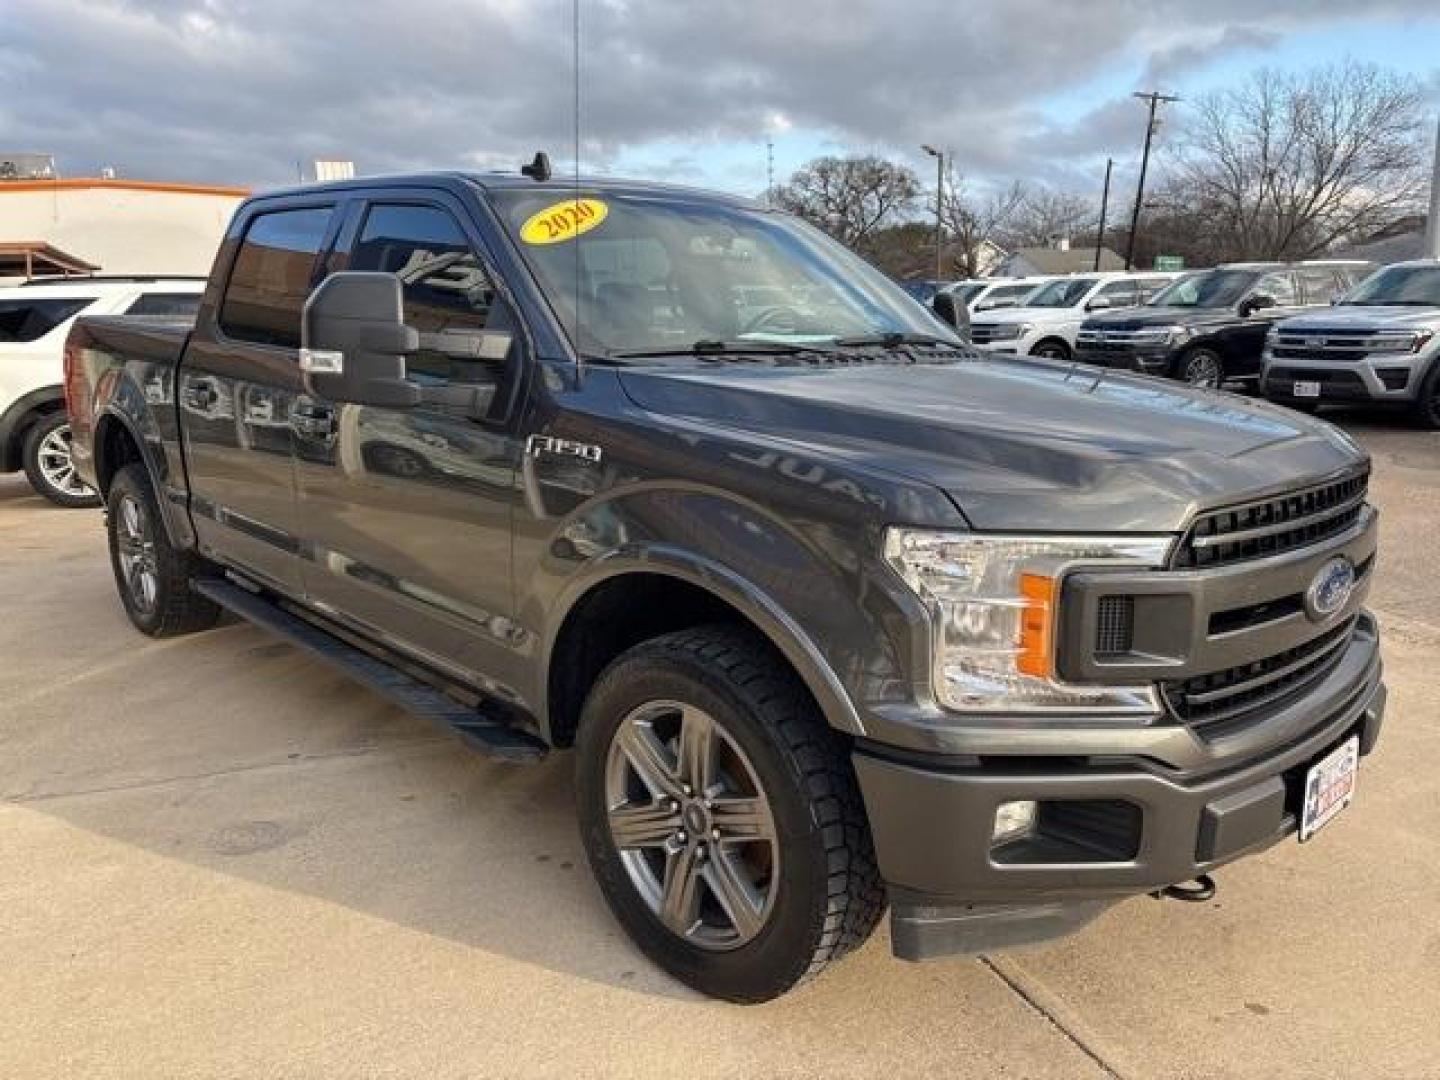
233,770
1012,979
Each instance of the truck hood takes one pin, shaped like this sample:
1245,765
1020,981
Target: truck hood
1018,445
1361,316
1138,318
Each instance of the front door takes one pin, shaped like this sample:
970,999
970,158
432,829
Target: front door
236,391
407,512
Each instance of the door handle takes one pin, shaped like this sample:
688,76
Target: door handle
201,395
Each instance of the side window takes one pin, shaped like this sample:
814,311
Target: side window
1150,286
1280,287
30,320
271,276
174,305
1321,283
448,291
1119,293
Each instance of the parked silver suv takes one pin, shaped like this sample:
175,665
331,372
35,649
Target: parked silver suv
1379,343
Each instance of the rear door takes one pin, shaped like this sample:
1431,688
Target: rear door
407,512
237,386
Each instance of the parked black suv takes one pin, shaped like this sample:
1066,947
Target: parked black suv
1209,327
835,612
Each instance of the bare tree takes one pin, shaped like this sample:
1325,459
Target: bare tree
969,220
1046,214
1285,165
850,198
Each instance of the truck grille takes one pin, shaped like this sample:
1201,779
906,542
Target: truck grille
984,333
1221,699
1255,530
1342,345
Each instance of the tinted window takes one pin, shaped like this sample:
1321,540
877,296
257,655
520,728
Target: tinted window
271,276
1322,284
447,288
1066,292
1416,286
174,305
1280,288
1208,289
1119,293
30,320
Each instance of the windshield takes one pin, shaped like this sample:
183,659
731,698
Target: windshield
1211,289
1417,286
965,293
663,273
1066,292
1006,295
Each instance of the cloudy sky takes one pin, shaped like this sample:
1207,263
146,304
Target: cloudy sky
240,91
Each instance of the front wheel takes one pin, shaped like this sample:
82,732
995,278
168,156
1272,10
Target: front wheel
49,466
153,576
1427,406
1202,367
1051,349
721,816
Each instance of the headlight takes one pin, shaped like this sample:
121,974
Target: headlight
994,608
1010,331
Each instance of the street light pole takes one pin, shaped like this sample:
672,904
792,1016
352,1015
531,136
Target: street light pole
1154,99
939,210
1104,206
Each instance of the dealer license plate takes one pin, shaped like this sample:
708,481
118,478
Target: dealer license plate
1329,786
1307,389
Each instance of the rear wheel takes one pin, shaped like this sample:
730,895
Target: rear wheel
49,467
1201,367
1427,406
153,576
721,816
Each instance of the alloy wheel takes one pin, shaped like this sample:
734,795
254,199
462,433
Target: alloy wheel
136,549
1203,369
692,825
57,467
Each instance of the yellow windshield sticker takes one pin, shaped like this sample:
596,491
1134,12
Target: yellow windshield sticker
563,221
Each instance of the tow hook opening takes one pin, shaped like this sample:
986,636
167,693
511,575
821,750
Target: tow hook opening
1195,891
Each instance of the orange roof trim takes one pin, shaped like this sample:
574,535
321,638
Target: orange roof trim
85,183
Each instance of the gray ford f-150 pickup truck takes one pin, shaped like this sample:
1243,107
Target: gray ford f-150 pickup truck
835,612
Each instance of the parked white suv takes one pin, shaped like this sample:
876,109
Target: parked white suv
989,294
1050,319
34,319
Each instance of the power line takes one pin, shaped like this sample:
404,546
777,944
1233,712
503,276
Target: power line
1154,99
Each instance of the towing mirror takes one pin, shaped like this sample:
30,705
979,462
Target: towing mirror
353,341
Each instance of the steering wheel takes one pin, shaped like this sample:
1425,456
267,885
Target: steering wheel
780,318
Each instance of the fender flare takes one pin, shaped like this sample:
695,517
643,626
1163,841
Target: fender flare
753,603
176,522
12,422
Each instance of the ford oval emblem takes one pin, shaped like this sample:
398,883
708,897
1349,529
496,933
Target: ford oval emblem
1330,589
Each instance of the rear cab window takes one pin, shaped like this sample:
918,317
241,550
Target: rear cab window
271,276
30,320
172,305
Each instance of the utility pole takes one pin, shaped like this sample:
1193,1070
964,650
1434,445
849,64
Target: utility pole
1104,206
1154,99
1432,224
939,210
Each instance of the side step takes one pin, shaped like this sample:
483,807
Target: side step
489,736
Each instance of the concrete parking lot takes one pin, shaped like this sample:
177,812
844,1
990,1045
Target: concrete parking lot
219,858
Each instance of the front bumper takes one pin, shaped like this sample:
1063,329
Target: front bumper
951,891
1394,378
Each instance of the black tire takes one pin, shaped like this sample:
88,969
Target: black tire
46,456
1051,349
828,894
167,606
1427,406
1202,367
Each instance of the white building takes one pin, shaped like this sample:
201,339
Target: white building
50,226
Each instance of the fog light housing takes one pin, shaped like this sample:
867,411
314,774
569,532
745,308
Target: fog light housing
1014,820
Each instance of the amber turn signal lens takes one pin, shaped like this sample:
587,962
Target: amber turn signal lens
1037,626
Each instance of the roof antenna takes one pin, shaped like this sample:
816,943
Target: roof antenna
539,169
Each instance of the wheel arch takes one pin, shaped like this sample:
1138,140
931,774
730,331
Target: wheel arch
621,593
17,420
117,443
1053,339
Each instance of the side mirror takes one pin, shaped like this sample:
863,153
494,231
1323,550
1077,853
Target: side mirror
953,313
1099,303
1255,303
353,341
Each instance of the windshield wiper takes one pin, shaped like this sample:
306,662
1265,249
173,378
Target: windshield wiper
717,347
893,339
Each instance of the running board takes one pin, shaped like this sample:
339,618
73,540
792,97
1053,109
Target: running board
419,699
